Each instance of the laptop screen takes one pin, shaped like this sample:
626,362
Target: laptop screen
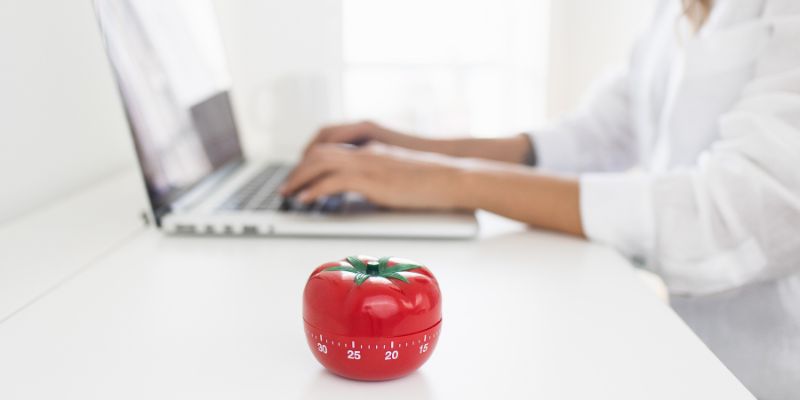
169,63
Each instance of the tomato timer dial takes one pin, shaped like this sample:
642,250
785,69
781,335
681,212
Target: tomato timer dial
372,319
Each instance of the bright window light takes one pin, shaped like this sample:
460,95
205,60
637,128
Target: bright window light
446,67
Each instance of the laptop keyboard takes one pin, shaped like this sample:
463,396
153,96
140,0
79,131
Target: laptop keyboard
260,193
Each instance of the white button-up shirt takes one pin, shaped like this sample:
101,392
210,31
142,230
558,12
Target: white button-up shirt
689,163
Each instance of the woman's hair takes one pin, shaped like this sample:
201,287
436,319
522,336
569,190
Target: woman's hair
697,11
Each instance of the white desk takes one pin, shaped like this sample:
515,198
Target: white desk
526,315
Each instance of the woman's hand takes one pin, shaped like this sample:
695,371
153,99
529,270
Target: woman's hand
385,175
364,132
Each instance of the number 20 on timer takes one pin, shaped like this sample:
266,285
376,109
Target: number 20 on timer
372,319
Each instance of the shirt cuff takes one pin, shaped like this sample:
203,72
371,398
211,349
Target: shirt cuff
617,209
555,150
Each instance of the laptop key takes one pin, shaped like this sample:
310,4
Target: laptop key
275,204
304,207
333,204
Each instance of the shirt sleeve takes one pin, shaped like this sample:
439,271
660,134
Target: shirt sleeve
734,217
597,137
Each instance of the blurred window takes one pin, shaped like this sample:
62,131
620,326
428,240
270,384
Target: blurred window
446,66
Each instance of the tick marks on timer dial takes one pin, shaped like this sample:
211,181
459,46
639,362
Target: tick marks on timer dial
355,350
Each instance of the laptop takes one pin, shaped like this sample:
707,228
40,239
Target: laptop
170,68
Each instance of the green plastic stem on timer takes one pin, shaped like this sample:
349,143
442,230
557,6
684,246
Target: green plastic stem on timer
380,269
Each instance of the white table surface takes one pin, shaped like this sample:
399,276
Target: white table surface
526,315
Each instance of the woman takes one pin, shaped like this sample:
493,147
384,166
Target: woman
688,162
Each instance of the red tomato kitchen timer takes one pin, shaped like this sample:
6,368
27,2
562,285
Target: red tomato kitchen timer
372,319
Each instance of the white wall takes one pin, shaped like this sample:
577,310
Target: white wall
61,126
587,39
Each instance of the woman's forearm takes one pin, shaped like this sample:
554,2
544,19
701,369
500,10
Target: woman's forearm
523,194
513,149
